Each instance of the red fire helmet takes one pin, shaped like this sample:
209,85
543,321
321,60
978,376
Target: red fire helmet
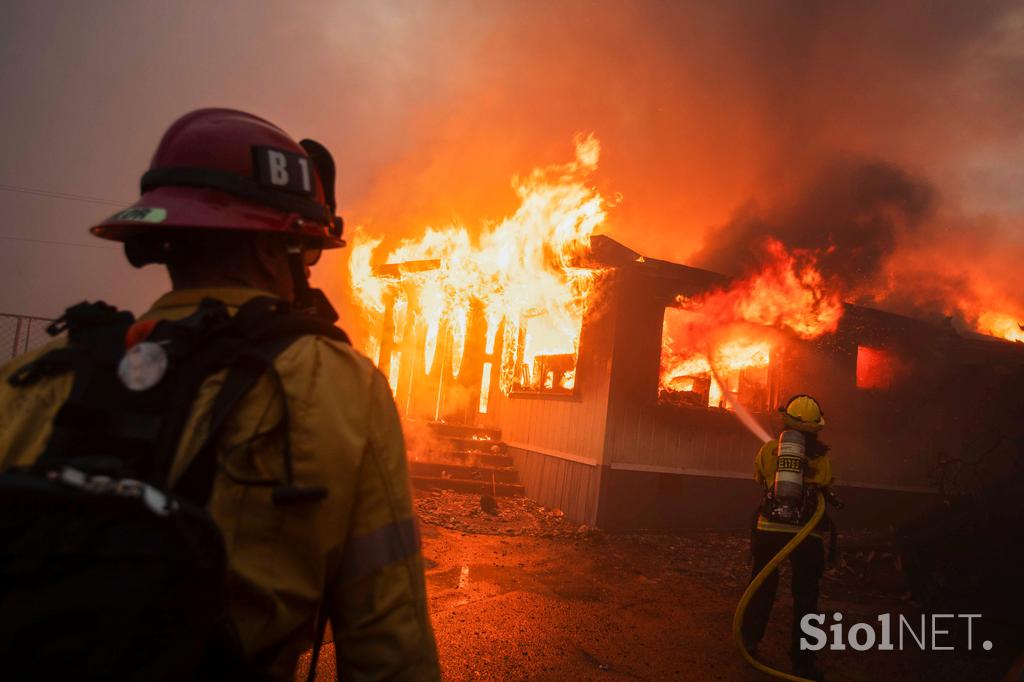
221,169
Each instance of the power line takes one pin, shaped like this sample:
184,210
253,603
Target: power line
62,195
53,241
68,197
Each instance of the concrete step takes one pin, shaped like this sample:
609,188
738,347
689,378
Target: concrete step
468,486
463,472
476,461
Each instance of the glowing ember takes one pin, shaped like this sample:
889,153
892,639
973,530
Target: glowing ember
523,273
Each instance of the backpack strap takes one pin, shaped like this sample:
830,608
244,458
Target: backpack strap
269,327
51,363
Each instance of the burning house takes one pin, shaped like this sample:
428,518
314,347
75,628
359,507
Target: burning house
628,391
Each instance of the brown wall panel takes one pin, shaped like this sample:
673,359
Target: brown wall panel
637,499
559,483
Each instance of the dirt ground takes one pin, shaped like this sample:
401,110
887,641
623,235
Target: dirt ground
523,595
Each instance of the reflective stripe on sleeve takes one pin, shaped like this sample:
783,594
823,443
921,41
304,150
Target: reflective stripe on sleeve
369,553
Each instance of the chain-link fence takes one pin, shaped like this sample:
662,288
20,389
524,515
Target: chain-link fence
21,333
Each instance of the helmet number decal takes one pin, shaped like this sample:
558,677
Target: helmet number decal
283,170
304,164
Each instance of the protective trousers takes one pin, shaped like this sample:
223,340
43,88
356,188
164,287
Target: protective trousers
807,562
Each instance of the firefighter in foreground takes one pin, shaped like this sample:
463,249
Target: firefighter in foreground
792,470
299,462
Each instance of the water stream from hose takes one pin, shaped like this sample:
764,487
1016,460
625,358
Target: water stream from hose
738,408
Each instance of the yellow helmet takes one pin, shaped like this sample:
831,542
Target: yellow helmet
803,413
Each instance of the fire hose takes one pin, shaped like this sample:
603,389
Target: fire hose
755,584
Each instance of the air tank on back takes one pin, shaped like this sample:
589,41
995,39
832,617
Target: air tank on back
789,474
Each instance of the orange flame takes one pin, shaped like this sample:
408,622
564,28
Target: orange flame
523,272
727,331
789,292
1009,327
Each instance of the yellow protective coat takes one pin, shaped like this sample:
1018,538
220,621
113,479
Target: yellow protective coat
345,434
818,472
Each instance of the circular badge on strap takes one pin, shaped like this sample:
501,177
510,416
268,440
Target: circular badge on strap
143,366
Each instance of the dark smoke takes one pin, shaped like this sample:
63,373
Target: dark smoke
854,213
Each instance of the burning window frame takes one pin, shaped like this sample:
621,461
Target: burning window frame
876,368
566,364
766,387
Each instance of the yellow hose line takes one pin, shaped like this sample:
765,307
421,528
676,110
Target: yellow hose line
741,608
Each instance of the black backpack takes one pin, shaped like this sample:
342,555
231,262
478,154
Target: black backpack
105,572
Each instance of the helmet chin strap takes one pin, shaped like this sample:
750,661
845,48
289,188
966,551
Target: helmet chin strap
307,299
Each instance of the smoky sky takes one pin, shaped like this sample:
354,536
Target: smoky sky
875,127
853,213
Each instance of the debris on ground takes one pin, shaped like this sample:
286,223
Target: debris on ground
489,505
866,561
483,514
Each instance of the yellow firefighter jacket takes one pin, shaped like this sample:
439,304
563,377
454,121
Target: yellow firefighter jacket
360,545
818,472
